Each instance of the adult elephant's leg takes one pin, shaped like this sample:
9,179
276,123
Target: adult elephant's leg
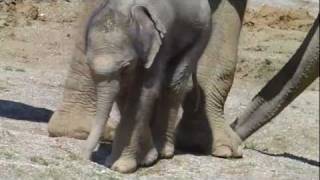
77,110
215,77
301,70
78,107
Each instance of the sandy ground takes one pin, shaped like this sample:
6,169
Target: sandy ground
35,42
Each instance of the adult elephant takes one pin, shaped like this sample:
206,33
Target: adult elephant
214,75
203,126
301,70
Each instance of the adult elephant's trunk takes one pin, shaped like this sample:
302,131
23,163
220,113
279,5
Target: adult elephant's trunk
301,70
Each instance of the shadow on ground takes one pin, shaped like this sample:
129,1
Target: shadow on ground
100,156
291,156
20,111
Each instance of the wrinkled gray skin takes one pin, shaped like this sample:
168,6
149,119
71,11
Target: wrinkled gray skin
142,53
301,70
203,126
197,129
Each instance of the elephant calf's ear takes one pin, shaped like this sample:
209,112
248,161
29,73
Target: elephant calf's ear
146,37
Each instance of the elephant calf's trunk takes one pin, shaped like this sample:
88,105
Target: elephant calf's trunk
107,90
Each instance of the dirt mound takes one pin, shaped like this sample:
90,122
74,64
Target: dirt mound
286,19
13,12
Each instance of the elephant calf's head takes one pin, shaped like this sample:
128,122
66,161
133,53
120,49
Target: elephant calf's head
115,40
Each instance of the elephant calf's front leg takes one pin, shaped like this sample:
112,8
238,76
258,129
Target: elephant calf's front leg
166,119
133,144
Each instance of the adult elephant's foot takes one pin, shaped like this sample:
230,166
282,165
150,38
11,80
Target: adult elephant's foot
196,135
227,144
75,121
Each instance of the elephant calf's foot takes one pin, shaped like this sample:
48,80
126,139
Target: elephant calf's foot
129,164
227,144
150,157
124,165
129,158
167,150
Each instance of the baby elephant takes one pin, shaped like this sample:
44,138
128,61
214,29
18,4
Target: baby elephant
141,54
